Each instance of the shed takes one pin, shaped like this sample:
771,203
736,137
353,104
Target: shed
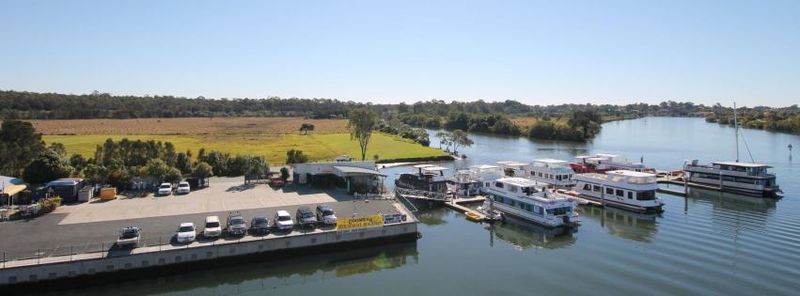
66,188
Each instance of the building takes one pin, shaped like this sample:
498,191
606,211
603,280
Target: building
10,187
355,176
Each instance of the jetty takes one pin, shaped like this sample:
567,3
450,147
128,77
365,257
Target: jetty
449,200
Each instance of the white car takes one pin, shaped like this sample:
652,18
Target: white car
186,233
283,220
183,188
212,228
165,189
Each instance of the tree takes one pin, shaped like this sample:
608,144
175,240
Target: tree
460,139
295,156
202,170
588,122
45,168
78,162
306,127
284,174
183,163
157,169
173,175
442,135
361,123
19,145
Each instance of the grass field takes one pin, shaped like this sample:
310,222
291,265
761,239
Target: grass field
317,146
188,126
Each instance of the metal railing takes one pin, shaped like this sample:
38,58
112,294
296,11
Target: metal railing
411,193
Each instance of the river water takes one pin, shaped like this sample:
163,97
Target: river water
708,243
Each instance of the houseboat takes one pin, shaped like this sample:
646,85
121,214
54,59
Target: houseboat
603,162
747,178
737,177
630,190
554,172
470,182
426,177
528,200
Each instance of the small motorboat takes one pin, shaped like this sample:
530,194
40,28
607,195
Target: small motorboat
473,216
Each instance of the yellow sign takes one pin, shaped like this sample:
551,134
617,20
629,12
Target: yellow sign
356,223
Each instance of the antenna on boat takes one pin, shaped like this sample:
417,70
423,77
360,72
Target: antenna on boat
736,126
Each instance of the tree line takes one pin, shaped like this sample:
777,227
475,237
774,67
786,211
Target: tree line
785,120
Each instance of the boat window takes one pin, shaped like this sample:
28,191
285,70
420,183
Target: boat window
630,195
558,211
620,192
528,190
609,191
498,184
587,187
646,195
596,188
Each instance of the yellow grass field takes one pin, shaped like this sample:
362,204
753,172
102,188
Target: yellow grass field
269,137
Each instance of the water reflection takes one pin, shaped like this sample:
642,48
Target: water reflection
621,223
523,235
260,277
734,202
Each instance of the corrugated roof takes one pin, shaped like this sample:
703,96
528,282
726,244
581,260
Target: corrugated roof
13,189
357,170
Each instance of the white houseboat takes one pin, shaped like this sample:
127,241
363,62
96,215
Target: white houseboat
554,172
526,199
629,190
738,177
470,182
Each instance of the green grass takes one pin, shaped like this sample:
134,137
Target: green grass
317,147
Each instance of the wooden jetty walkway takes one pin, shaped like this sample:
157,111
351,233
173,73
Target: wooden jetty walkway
448,200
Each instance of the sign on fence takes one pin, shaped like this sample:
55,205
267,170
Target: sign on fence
356,223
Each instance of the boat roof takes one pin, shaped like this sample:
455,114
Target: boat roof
606,155
511,163
521,182
550,161
628,173
743,164
425,165
484,166
434,168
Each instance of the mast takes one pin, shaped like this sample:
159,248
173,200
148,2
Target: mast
736,126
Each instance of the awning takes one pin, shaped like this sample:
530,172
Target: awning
355,171
12,190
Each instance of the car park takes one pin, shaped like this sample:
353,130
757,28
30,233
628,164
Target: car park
165,189
305,217
283,220
259,225
236,225
183,188
212,228
186,233
326,215
129,237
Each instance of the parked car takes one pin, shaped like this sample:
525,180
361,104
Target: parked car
183,188
276,182
259,225
129,237
283,220
326,215
165,189
212,228
305,217
236,224
186,233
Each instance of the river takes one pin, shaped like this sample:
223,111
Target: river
708,243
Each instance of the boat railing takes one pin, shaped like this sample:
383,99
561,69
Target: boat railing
423,193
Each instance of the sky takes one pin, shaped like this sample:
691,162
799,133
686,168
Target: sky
535,52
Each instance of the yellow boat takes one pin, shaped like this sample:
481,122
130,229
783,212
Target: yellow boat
473,216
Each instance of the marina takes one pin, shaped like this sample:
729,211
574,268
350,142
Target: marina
707,224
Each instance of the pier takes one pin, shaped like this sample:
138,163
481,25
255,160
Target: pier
448,200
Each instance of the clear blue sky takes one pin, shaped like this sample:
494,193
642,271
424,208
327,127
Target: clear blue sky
537,52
